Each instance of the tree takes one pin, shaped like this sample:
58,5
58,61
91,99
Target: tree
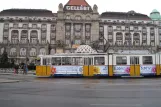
4,58
96,46
60,44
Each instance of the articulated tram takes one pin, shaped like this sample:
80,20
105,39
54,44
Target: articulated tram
107,65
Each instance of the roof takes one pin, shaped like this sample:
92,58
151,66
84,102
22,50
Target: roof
124,15
77,3
85,49
27,12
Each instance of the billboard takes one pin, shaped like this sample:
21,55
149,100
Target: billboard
66,70
147,69
122,70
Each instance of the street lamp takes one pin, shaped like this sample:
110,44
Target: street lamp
129,13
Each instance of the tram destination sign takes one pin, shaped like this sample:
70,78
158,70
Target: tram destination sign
77,8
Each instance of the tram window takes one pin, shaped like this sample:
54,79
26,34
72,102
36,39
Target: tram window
99,60
134,60
147,60
66,61
77,61
44,61
56,61
121,60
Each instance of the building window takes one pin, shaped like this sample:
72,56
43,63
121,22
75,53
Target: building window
22,52
121,60
135,29
78,18
34,36
34,26
33,52
119,38
136,38
127,28
25,26
6,33
6,26
147,60
42,51
88,18
101,28
118,28
110,28
52,41
68,17
67,42
53,28
44,26
13,51
15,25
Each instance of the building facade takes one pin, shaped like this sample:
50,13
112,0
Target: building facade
26,33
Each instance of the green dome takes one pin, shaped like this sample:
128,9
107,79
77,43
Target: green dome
155,15
155,11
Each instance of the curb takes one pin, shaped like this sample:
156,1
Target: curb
10,81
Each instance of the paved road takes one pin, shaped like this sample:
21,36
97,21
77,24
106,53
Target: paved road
80,92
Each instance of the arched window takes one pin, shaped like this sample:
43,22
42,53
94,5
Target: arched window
88,18
13,51
119,38
14,36
42,51
110,28
78,18
128,39
136,38
24,36
33,52
34,36
52,51
22,52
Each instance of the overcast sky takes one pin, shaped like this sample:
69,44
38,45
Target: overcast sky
141,6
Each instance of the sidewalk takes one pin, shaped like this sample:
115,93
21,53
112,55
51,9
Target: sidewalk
8,81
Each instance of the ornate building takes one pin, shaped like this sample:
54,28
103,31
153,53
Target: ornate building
26,33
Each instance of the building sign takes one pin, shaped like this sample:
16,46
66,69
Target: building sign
121,70
77,8
100,70
67,70
148,69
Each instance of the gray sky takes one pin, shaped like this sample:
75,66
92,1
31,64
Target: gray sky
141,6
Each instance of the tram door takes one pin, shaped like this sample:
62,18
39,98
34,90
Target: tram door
134,62
88,61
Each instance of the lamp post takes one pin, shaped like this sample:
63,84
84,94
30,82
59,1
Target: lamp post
129,13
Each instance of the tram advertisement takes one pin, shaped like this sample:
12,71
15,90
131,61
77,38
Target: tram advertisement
148,69
100,70
121,70
67,70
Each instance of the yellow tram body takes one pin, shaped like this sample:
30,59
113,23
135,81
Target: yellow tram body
102,65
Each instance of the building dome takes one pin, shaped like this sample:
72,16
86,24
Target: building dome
85,49
155,15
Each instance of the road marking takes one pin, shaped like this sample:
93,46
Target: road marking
122,105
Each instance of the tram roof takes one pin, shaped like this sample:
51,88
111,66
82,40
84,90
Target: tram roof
74,54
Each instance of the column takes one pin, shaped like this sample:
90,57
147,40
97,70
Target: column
105,33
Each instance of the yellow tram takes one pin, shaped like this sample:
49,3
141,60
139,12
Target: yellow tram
99,64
